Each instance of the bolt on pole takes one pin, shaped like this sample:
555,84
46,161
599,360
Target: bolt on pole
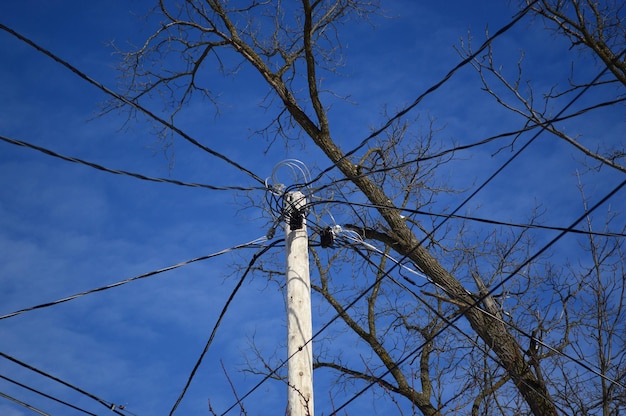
298,302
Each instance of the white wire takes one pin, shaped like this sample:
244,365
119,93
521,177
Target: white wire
295,165
299,171
301,176
356,237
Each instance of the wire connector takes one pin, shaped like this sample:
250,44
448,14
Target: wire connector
327,237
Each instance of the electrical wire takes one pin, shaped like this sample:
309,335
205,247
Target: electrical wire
252,244
354,237
219,321
299,171
46,395
123,172
108,405
276,190
23,404
128,102
471,218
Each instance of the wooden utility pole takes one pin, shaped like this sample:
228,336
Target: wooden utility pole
299,325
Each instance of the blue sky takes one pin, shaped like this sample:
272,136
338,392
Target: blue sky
67,228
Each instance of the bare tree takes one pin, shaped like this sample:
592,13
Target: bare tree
593,306
497,361
596,327
596,27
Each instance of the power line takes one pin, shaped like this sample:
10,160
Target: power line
470,218
46,395
219,321
23,404
253,243
407,110
108,405
128,102
123,172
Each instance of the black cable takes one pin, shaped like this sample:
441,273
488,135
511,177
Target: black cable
285,361
219,321
23,404
46,395
381,130
125,281
130,103
123,172
470,218
108,405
